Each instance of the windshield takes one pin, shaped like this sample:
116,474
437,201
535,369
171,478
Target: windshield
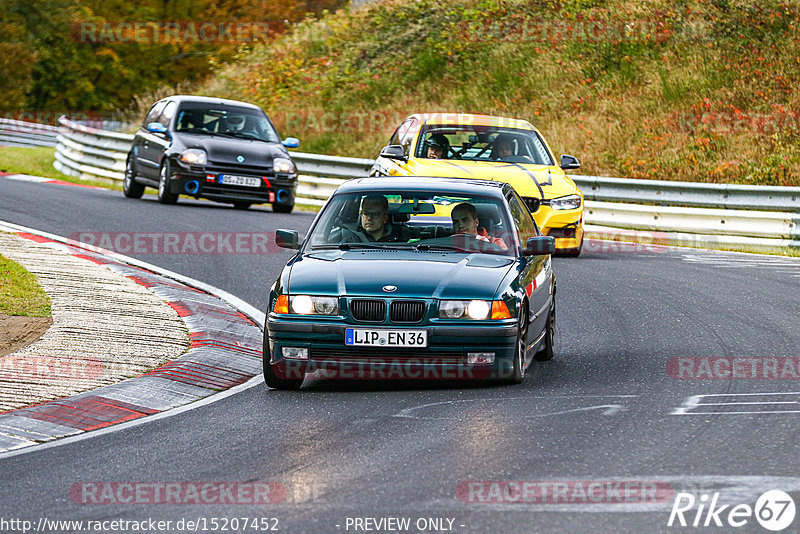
226,121
414,220
482,143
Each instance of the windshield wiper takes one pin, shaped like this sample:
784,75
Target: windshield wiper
438,247
241,135
349,246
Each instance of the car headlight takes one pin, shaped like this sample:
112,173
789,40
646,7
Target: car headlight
465,309
473,309
308,305
569,202
283,166
194,156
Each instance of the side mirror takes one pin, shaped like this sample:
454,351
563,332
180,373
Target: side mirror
543,244
533,203
291,142
393,152
287,239
156,127
569,162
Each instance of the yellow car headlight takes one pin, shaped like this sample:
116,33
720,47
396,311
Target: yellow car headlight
569,202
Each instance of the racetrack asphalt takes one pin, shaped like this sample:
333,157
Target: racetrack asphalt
604,410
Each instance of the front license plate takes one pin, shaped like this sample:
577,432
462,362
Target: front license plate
231,179
385,338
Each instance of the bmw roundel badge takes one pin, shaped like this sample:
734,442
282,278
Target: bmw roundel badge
389,288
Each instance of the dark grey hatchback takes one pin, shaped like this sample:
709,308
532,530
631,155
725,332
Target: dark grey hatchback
223,150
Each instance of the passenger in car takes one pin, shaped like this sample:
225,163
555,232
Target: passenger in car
503,147
465,221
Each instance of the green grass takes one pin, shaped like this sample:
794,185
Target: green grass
38,161
20,293
704,91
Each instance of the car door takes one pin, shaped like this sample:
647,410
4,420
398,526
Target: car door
141,143
403,136
535,275
159,142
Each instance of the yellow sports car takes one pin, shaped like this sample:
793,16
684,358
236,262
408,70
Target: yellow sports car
492,148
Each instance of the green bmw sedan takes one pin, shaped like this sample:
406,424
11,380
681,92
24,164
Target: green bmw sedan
413,278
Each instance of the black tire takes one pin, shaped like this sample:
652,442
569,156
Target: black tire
242,205
518,369
545,354
130,188
282,208
164,194
276,382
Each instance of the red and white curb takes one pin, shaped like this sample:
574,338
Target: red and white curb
42,180
224,353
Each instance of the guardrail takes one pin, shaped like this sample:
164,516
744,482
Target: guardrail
26,134
728,214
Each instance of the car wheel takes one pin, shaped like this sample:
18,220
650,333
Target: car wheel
282,208
164,194
276,382
241,205
130,188
518,370
546,352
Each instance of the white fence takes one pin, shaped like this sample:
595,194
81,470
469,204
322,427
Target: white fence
26,134
724,214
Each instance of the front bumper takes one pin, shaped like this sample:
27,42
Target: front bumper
445,357
204,183
566,226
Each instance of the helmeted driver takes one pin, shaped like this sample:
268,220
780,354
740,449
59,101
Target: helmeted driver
235,122
438,146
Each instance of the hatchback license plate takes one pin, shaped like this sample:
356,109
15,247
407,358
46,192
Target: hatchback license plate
385,338
230,179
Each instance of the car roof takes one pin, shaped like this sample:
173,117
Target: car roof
426,184
210,100
471,119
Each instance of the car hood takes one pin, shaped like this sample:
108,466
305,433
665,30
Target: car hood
524,177
222,150
420,274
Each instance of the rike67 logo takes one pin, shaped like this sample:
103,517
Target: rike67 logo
774,510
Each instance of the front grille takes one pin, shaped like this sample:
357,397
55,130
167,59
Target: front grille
388,356
568,232
407,311
254,193
372,310
534,203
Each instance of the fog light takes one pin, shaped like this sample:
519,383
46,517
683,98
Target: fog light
300,353
480,358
